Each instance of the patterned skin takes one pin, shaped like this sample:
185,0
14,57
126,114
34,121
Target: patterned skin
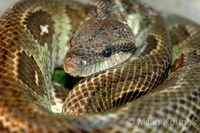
124,50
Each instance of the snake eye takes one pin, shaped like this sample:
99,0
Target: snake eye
107,53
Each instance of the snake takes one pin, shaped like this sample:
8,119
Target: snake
141,68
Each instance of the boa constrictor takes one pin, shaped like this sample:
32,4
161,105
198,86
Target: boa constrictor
122,47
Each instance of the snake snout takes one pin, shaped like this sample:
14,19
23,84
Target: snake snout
74,66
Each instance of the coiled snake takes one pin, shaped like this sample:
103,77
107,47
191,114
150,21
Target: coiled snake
122,47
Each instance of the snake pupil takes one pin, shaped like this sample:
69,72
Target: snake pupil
107,53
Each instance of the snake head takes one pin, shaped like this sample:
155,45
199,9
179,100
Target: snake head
97,46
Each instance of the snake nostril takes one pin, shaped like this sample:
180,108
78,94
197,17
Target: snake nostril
68,57
82,62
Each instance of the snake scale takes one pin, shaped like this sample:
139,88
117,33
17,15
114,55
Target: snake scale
122,47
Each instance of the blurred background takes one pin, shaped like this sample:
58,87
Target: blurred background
188,8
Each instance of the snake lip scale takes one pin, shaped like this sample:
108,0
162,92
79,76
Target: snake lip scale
123,48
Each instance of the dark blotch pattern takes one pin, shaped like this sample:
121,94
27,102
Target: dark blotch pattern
29,72
34,22
127,97
179,34
151,45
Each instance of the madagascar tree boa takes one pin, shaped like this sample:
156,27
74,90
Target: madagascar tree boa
122,47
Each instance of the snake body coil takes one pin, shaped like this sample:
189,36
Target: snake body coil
122,47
